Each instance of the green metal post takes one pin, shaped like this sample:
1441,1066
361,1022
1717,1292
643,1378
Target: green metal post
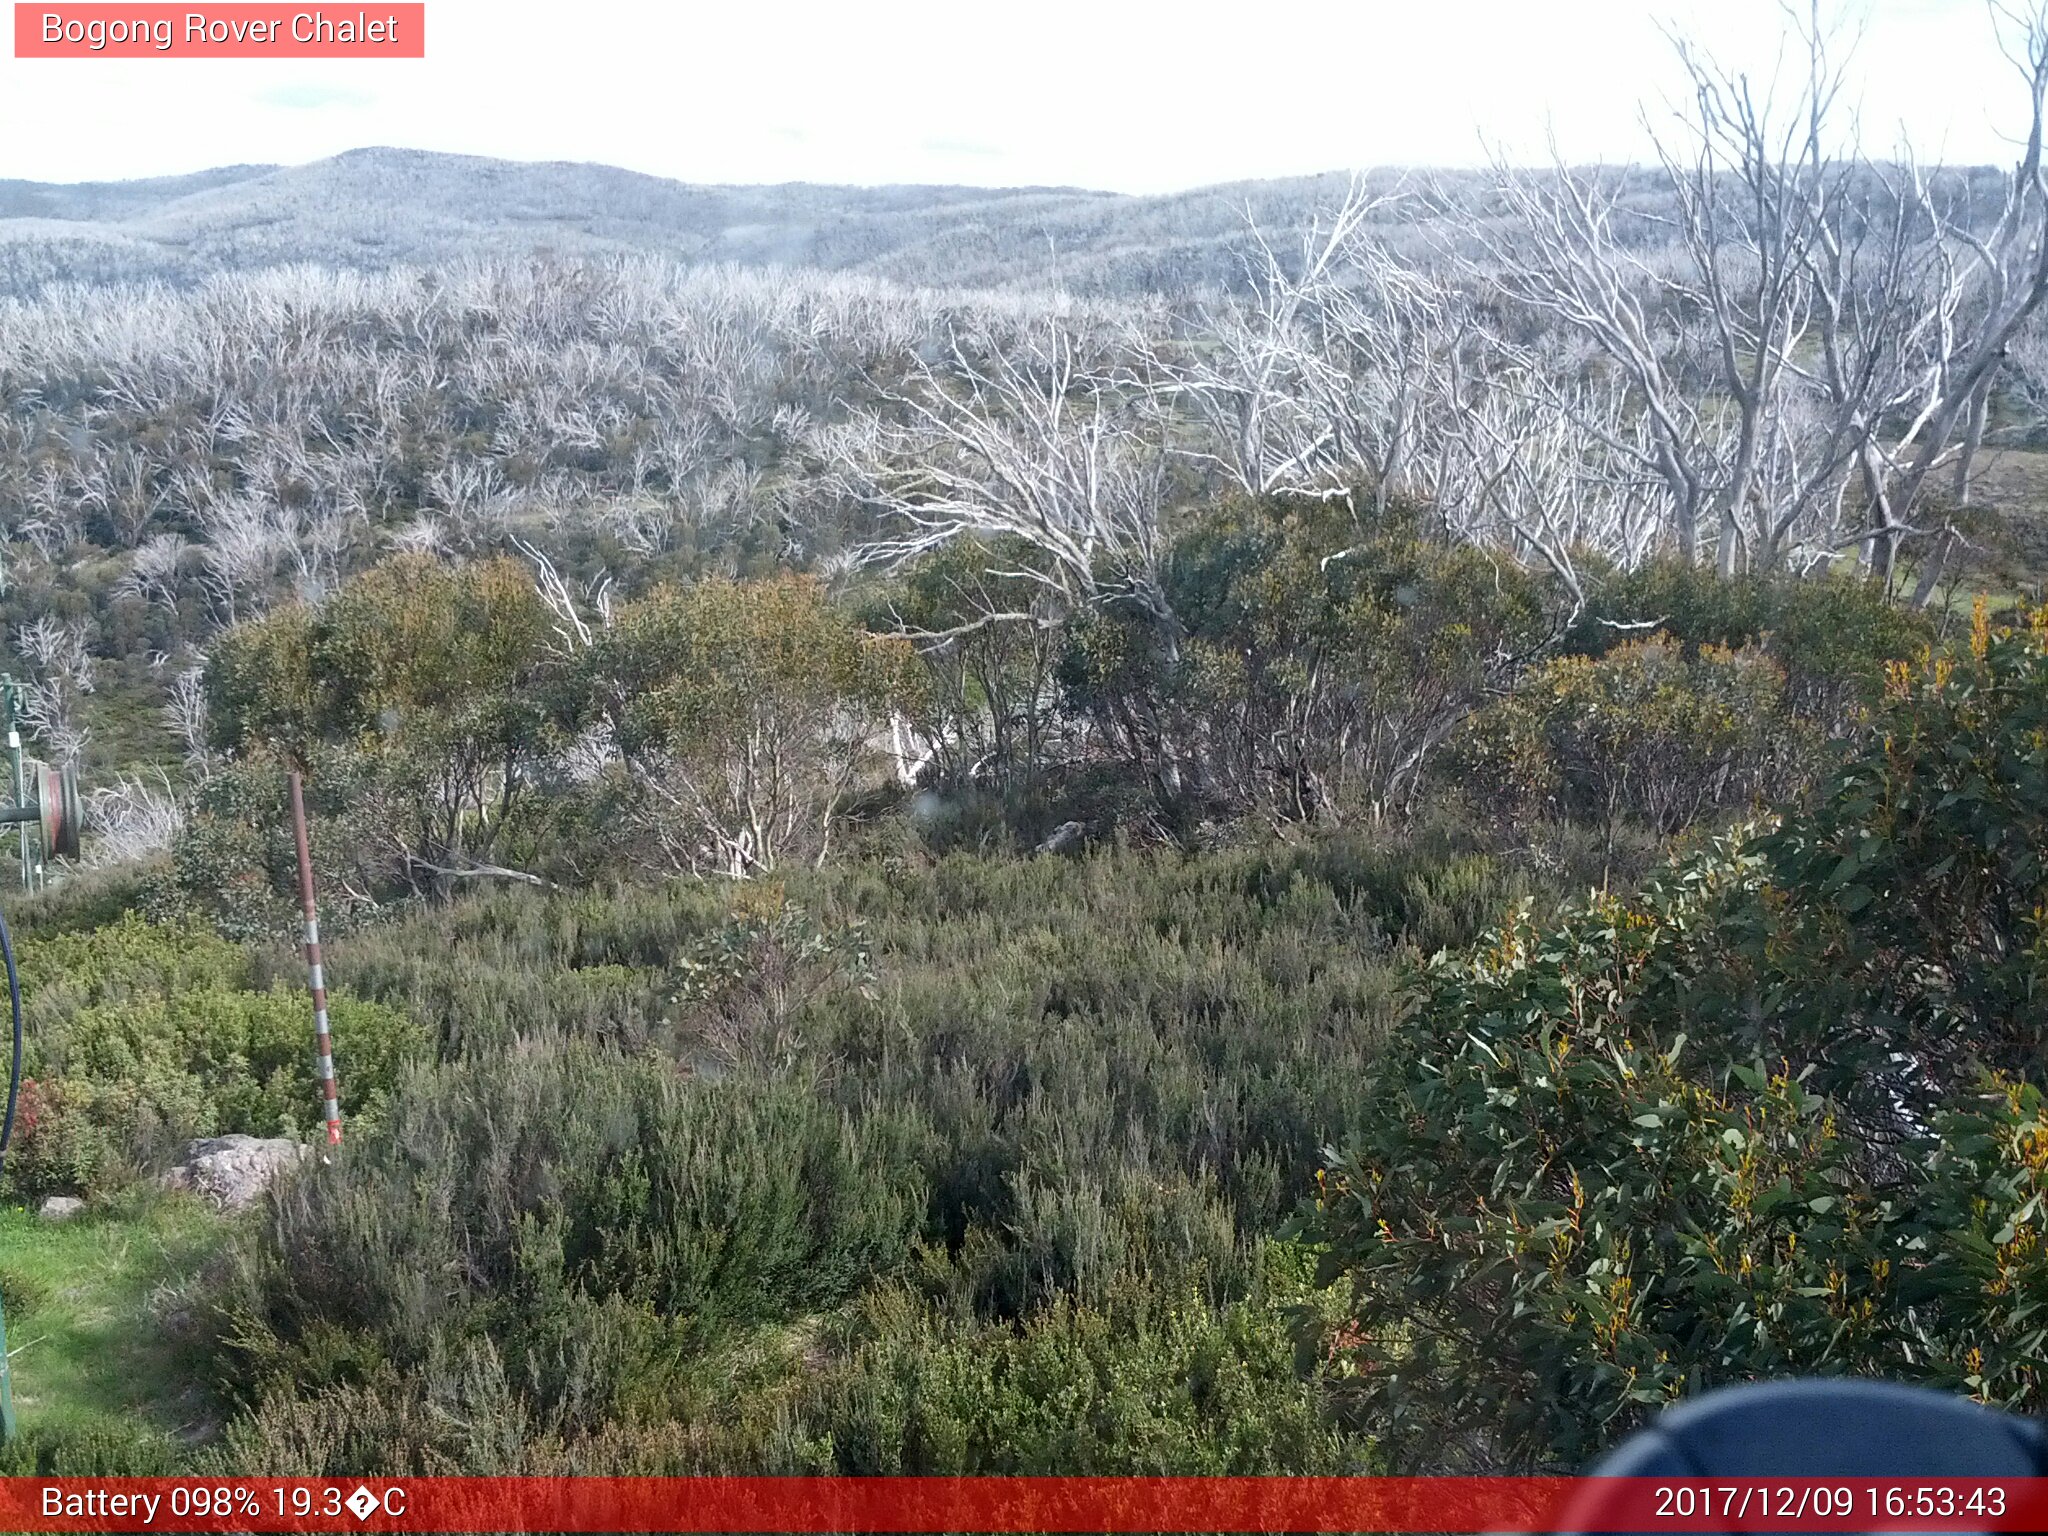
8,695
6,1385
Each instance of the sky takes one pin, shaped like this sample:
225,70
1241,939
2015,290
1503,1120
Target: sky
1123,95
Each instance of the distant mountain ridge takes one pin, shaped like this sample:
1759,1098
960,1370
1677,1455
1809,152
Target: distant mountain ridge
378,207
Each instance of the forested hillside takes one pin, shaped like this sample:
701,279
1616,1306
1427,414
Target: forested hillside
1367,825
379,208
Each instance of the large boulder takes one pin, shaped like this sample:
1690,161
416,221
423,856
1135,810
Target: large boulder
233,1171
61,1208
1067,837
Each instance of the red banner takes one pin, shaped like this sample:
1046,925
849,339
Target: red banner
1019,1504
226,31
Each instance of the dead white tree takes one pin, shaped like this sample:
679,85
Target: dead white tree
52,701
1824,343
133,818
154,568
1022,442
2003,277
1351,368
185,715
1549,471
1265,382
57,649
578,617
239,554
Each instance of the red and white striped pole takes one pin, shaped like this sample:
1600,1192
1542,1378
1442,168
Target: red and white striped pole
330,1095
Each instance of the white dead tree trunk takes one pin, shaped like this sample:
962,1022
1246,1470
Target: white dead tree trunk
1820,343
1551,472
1353,369
1270,386
52,702
185,715
133,819
2003,280
1018,442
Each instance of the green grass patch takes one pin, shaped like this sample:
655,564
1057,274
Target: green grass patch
98,1380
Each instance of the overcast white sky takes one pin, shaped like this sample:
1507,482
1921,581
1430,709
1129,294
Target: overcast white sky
1131,95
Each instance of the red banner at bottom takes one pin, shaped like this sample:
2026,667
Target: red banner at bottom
1005,1504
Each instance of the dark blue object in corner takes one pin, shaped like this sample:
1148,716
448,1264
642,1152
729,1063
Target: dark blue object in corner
1831,1428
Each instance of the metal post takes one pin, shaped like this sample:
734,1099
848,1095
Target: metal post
8,694
330,1095
6,1387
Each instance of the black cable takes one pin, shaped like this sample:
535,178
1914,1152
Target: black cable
14,1071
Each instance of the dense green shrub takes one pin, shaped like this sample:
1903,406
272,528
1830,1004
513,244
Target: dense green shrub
1924,868
1679,697
526,1198
1738,1125
417,696
1139,1382
1833,636
441,660
140,1037
1145,1381
1648,731
84,899
1320,662
67,1450
1517,1232
989,642
746,714
233,865
1078,1094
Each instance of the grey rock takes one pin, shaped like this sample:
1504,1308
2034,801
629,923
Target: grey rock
1066,837
61,1208
233,1171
